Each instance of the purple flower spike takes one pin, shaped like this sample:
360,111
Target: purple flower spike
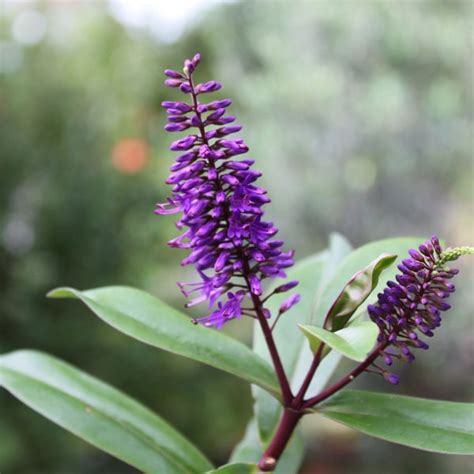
230,243
411,306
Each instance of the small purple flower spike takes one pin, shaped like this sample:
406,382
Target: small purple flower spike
411,307
230,244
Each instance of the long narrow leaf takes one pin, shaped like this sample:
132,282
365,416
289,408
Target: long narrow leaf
431,425
353,341
356,291
146,318
238,468
98,413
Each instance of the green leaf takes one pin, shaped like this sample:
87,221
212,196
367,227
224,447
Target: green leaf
295,355
249,449
146,318
353,262
239,468
356,291
354,341
98,413
431,425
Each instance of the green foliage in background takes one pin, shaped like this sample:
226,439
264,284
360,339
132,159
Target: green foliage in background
376,96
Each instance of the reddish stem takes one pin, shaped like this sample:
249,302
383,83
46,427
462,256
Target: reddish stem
287,425
348,378
297,402
267,333
291,416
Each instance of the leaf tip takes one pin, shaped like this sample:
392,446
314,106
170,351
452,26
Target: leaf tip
390,256
61,292
304,327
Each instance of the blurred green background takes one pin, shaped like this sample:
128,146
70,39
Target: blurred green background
360,117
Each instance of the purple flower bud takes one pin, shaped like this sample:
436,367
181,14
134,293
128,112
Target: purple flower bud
189,66
229,179
436,244
210,86
173,82
185,87
219,104
212,174
173,74
183,144
225,120
196,121
286,287
196,59
426,249
413,265
221,261
255,285
421,344
176,105
176,127
416,255
177,118
289,303
236,165
176,112
392,378
221,132
215,115
234,146
210,134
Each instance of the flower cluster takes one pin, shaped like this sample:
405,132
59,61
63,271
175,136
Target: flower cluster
231,246
412,305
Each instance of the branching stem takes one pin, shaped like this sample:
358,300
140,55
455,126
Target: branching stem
299,406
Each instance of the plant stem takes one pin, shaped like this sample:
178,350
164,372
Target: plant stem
348,378
267,333
285,429
309,377
291,416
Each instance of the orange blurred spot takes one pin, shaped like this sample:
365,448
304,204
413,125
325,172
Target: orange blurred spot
130,155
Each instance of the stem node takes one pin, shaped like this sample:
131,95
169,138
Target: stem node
285,429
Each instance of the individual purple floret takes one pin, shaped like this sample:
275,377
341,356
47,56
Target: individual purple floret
411,307
230,243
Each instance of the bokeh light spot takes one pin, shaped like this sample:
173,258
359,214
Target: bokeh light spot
360,174
29,27
18,236
130,155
